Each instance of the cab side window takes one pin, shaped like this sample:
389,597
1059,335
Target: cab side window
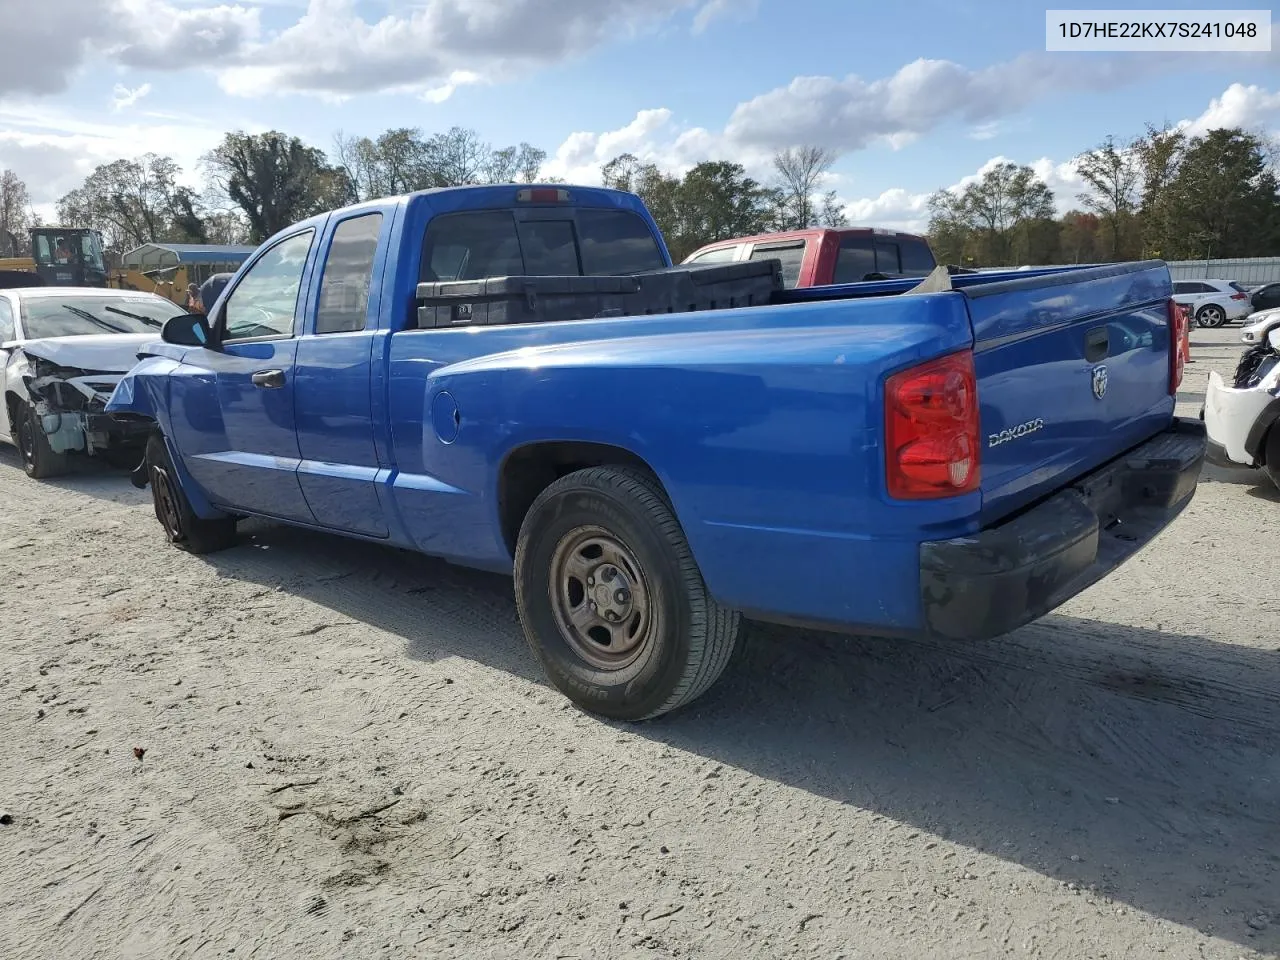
348,273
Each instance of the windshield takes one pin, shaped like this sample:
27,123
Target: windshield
77,315
70,248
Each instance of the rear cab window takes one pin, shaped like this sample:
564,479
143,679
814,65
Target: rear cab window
8,330
864,254
494,243
790,253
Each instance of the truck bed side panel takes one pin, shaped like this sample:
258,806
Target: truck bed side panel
765,427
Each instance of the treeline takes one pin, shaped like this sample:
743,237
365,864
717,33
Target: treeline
1163,195
257,184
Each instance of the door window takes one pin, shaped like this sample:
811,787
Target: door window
265,300
7,331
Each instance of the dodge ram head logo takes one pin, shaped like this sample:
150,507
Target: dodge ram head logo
1100,381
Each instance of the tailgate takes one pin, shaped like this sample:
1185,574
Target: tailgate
1073,369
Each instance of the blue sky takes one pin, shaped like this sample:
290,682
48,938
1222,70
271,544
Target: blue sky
913,96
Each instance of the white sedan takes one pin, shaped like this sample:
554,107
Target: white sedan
62,352
1213,302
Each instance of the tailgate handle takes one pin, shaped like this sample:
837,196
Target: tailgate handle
1097,344
268,379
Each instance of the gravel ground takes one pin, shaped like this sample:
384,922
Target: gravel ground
308,747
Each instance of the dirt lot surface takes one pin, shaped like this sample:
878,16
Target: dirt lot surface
307,747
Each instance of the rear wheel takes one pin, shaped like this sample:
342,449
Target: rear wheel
38,458
1211,316
611,600
182,527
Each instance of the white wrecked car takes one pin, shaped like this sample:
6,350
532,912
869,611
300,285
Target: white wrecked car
62,351
1243,419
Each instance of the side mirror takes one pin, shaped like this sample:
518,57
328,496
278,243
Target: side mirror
189,330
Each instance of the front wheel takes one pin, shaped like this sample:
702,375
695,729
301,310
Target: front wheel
181,526
1211,316
611,600
38,458
1271,452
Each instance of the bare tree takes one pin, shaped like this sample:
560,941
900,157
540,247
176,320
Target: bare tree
457,158
529,161
1113,174
800,170
15,204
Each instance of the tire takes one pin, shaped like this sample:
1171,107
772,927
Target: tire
605,543
1271,454
38,459
1211,316
181,526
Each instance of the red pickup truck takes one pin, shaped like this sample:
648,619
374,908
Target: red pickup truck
812,258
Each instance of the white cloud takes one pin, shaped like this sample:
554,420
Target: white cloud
985,131
714,10
335,52
49,41
330,49
54,152
123,97
650,136
1239,106
852,113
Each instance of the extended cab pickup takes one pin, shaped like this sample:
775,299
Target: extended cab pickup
819,256
888,457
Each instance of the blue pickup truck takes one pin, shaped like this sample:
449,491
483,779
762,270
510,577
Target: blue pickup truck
948,459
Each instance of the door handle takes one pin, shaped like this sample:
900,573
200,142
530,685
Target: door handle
268,379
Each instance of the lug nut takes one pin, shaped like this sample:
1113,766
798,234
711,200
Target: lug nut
622,596
591,581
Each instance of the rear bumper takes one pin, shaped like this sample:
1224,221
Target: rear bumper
978,587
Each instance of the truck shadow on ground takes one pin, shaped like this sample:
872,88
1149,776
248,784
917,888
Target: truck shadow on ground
1136,766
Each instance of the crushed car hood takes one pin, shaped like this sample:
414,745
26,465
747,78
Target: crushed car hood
104,353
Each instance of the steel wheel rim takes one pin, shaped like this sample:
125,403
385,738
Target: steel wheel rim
166,503
600,598
27,440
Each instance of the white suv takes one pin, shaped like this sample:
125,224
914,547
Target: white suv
1213,302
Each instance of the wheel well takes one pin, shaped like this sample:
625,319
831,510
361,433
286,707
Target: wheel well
11,401
529,470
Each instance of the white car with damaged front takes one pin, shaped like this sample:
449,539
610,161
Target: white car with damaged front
1243,419
62,352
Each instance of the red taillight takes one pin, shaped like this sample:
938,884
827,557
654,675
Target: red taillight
931,429
542,195
1239,296
1179,343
